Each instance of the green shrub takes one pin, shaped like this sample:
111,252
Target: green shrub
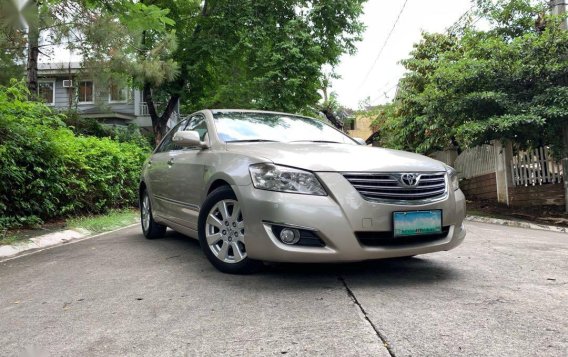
92,127
46,171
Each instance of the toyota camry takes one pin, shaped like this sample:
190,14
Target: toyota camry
256,186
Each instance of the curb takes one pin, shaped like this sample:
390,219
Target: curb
51,240
519,224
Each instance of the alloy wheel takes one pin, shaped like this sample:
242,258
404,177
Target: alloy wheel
145,209
225,231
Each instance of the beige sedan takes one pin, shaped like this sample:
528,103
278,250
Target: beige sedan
257,186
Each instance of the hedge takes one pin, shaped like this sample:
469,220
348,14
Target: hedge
47,172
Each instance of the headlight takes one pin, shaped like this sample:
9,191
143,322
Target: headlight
453,178
285,179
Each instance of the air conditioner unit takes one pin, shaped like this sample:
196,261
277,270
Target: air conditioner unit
67,83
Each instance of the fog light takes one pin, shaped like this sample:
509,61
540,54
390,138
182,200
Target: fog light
289,236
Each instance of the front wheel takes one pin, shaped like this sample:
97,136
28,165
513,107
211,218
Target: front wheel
222,233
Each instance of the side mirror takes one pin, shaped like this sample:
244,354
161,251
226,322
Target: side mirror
189,138
360,141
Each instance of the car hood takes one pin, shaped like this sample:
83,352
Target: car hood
337,157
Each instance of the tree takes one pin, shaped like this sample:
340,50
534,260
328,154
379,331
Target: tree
105,33
253,54
215,53
12,43
470,86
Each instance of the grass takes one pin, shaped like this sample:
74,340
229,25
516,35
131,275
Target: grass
94,224
481,213
106,222
7,237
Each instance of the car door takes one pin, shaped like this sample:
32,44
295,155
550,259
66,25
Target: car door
158,174
187,172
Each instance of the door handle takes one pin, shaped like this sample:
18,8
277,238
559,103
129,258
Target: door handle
170,162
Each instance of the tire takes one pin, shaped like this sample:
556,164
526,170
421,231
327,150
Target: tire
150,227
406,257
221,233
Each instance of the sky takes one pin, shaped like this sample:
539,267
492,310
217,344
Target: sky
380,15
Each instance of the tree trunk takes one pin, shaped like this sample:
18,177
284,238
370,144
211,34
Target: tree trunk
159,122
33,51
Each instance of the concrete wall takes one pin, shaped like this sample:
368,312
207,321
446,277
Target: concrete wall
480,188
484,188
559,7
540,195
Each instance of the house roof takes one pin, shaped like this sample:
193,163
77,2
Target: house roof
58,68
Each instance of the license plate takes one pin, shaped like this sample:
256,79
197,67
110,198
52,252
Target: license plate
413,223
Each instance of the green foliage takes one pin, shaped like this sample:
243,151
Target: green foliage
245,54
263,54
382,123
100,223
47,171
92,127
468,88
256,54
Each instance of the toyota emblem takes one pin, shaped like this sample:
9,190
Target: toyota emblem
410,180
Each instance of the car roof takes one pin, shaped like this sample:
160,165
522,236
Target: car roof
220,111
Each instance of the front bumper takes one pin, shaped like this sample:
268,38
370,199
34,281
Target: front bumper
337,219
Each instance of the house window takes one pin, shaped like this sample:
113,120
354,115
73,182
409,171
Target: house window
118,94
86,91
352,124
46,91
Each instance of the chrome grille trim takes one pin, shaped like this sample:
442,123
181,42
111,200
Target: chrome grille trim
388,187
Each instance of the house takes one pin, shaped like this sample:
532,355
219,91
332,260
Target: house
67,86
360,126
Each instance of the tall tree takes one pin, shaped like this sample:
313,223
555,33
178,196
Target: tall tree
253,54
12,43
105,33
471,86
248,54
32,15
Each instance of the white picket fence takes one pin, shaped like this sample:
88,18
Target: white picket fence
477,161
535,167
448,157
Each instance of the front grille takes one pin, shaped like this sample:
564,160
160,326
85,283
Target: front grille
389,186
387,239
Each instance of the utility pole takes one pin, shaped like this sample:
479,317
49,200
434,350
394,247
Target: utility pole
558,7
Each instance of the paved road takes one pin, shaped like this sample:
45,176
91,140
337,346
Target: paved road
504,292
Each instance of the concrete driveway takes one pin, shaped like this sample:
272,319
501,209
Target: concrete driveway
504,292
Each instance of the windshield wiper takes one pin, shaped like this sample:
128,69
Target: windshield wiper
252,141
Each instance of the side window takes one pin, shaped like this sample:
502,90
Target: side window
167,144
199,124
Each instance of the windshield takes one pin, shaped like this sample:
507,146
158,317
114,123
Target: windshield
251,127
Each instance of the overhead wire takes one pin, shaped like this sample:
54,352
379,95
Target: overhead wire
384,93
384,44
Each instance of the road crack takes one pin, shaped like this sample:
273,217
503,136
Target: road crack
379,334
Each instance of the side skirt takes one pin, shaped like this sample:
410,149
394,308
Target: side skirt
192,233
